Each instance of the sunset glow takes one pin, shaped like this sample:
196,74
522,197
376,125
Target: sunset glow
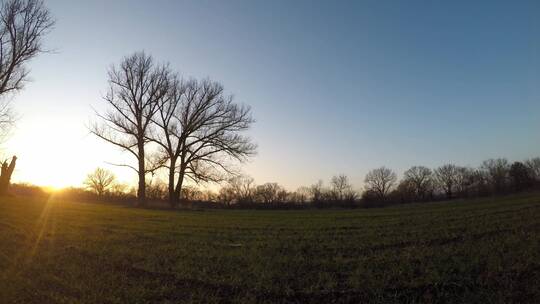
329,120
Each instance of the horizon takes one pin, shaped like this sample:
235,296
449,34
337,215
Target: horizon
334,89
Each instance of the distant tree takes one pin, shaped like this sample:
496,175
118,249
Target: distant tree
317,192
480,182
209,196
226,195
405,192
242,188
446,177
156,189
191,193
421,179
269,193
301,195
199,129
533,165
136,88
119,190
520,176
465,181
497,171
380,181
283,196
23,24
340,187
100,181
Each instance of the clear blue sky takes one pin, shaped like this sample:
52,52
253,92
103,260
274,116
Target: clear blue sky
335,86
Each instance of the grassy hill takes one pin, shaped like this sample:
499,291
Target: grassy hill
485,250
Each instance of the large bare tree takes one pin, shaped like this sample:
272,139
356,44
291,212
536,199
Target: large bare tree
199,130
23,24
380,181
136,88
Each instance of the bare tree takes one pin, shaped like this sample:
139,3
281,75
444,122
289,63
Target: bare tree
534,167
380,181
406,191
243,187
447,178
226,195
520,176
269,193
199,131
421,178
342,189
301,195
317,192
119,189
466,180
497,171
100,181
23,24
340,184
156,189
7,118
191,193
136,88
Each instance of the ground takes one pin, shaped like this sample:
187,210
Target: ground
484,250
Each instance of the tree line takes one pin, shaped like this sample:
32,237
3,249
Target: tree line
449,181
381,187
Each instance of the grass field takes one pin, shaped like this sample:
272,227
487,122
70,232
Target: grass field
485,250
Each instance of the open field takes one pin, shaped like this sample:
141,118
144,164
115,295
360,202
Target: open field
484,250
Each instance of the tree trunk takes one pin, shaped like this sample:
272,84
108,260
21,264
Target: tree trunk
178,190
172,194
5,175
141,191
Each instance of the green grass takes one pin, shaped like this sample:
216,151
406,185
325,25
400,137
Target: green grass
484,250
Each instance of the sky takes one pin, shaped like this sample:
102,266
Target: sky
336,87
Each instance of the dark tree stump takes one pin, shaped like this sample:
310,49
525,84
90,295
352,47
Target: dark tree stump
5,174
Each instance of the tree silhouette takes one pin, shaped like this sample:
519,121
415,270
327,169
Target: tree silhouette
521,177
239,188
199,130
447,177
497,172
317,192
100,181
270,193
23,24
341,188
136,89
421,178
380,181
533,165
